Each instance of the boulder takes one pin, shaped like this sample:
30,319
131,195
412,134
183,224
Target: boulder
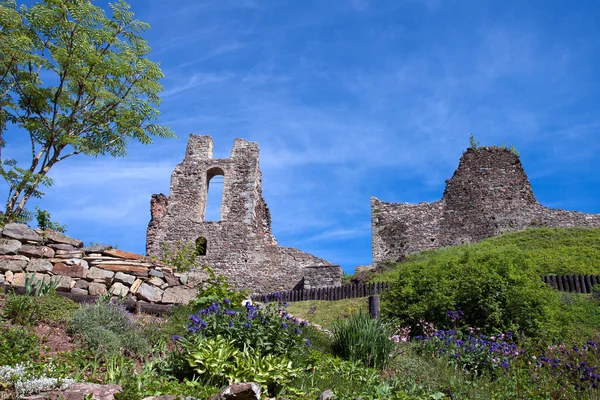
74,271
76,290
178,295
80,391
36,251
97,273
97,289
82,284
57,237
63,283
13,264
18,279
239,391
124,278
39,265
171,279
9,246
149,293
118,289
154,281
157,273
20,232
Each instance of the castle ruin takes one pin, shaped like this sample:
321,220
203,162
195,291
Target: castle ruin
488,194
241,245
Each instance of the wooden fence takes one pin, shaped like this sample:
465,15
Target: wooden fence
563,283
348,291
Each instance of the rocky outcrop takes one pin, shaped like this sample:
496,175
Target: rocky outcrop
488,194
93,270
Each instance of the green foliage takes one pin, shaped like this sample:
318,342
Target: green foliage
99,90
184,255
324,312
44,220
473,144
17,345
216,289
363,338
106,327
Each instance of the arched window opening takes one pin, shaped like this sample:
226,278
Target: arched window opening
201,246
215,178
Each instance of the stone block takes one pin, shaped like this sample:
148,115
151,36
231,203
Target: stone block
129,268
18,279
136,285
61,246
2,279
9,246
154,281
14,265
80,391
82,284
57,237
36,251
77,262
118,289
68,254
77,290
171,279
20,232
39,265
63,282
122,254
96,248
97,273
178,295
124,278
97,289
73,271
156,272
149,293
9,276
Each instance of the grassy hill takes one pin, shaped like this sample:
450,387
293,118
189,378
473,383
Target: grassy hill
545,250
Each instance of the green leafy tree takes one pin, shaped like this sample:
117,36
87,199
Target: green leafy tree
78,82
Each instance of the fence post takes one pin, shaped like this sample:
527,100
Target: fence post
374,307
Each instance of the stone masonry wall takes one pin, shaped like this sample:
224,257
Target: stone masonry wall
241,245
92,270
488,194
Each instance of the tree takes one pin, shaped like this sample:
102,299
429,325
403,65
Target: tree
78,82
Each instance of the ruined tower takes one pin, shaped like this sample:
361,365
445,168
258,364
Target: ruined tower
488,194
240,245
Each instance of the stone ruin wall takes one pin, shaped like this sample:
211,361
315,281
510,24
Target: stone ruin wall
92,270
241,245
488,194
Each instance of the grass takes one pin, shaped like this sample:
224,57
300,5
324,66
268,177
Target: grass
549,250
325,313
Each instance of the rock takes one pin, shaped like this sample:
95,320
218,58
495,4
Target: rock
74,271
36,251
129,268
182,277
154,281
196,277
118,289
82,284
124,278
9,276
327,395
14,265
163,397
18,279
63,283
171,279
178,295
61,246
360,268
76,290
149,293
68,254
2,278
9,246
157,273
122,254
39,265
96,248
97,273
57,237
239,391
136,285
77,262
20,232
80,391
97,289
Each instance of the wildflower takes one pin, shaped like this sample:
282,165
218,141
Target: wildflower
307,342
230,323
175,337
248,325
226,301
284,325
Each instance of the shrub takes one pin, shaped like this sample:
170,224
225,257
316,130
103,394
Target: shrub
107,327
17,345
362,338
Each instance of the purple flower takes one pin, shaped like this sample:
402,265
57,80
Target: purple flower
307,342
284,325
248,325
175,337
226,301
230,323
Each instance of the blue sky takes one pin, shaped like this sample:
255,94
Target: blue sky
349,99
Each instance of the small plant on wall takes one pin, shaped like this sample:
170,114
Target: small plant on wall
183,255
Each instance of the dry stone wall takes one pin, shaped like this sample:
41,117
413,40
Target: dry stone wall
241,245
488,194
91,270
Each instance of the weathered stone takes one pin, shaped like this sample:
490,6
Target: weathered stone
149,293
20,232
182,277
135,286
488,194
79,391
154,281
18,279
124,278
327,395
9,276
72,271
14,265
63,282
96,248
195,277
36,251
360,268
118,289
97,273
178,295
97,289
122,254
163,397
9,246
2,279
117,261
38,265
171,279
61,246
82,284
77,262
77,290
239,391
130,269
157,273
57,237
241,245
68,254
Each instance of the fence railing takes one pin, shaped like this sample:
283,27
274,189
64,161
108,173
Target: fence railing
348,291
563,283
